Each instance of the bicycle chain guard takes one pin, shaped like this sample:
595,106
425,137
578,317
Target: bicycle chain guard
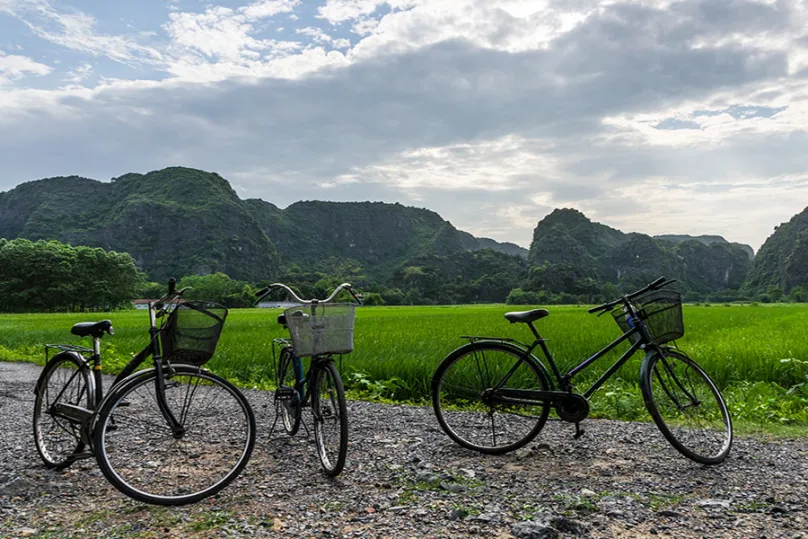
572,408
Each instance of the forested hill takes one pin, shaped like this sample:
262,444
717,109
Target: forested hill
180,221
781,265
570,253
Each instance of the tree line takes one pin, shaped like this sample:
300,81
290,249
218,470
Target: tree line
52,276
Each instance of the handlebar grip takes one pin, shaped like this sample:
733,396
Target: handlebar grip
656,283
262,292
172,285
596,309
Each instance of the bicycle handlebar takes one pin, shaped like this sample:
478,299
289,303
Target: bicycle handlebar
655,285
261,294
172,294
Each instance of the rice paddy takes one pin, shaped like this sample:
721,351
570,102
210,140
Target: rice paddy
757,354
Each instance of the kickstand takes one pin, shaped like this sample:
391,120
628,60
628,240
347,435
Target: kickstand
275,422
578,431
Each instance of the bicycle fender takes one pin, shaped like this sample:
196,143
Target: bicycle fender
145,373
78,357
517,348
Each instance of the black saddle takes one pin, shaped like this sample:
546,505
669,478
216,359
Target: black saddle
526,316
96,329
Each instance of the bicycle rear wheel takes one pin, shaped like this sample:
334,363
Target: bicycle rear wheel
330,417
686,406
289,405
65,380
466,389
140,455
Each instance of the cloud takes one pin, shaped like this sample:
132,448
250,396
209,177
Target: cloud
75,30
648,116
15,67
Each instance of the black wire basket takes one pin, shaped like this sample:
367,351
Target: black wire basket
660,311
192,331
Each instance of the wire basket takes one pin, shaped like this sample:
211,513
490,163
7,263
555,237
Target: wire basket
660,311
328,331
191,332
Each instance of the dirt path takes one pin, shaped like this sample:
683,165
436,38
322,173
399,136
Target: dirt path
405,478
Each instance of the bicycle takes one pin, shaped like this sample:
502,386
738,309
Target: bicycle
319,329
493,395
171,434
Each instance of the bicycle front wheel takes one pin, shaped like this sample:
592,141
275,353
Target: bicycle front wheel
468,390
64,380
141,456
290,405
686,406
330,418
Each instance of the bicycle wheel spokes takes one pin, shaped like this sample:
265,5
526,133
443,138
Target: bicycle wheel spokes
330,419
467,393
140,455
290,407
57,439
689,407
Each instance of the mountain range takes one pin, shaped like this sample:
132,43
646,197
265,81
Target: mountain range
181,221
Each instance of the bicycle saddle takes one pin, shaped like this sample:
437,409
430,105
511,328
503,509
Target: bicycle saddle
96,329
526,316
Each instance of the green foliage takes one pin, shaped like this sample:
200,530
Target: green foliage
592,262
756,354
220,288
52,276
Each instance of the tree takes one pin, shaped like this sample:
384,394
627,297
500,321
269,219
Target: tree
52,276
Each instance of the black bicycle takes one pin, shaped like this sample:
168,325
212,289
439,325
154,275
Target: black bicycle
493,395
168,435
319,329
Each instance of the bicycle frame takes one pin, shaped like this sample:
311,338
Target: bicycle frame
302,378
565,380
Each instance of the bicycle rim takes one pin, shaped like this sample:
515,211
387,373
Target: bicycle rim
330,419
290,409
66,381
462,388
139,454
687,407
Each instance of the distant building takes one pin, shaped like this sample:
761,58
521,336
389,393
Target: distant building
276,304
142,304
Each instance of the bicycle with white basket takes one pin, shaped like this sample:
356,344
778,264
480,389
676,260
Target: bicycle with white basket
320,330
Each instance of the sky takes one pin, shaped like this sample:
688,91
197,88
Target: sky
649,116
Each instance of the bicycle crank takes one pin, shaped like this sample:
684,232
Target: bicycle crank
572,408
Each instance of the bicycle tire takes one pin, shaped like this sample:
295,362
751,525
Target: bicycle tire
290,410
117,449
673,377
329,409
55,454
458,406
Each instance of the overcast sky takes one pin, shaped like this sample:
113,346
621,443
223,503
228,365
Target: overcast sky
649,116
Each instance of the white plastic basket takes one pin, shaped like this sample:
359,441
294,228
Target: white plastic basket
328,331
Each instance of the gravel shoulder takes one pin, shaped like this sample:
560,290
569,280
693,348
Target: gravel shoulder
404,478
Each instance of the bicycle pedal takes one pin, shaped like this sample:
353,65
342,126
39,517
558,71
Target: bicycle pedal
285,393
80,456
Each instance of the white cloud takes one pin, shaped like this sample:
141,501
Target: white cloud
15,67
79,74
268,8
76,31
649,116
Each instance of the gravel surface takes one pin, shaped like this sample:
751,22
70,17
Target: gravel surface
404,478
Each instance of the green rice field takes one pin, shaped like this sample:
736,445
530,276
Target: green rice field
757,354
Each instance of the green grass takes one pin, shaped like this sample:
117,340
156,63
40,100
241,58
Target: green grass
757,354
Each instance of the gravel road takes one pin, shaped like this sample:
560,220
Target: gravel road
404,478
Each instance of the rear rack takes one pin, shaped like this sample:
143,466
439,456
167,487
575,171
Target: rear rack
67,348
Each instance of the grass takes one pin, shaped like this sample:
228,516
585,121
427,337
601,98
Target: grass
757,354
